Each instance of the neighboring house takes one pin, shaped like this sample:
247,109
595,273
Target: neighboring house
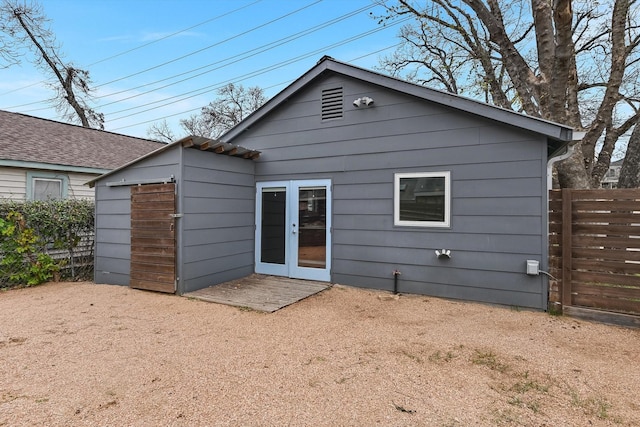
347,176
611,177
42,159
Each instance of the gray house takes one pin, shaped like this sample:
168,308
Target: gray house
347,176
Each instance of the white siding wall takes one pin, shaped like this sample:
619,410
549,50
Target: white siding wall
77,189
12,183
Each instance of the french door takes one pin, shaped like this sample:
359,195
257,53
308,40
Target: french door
293,229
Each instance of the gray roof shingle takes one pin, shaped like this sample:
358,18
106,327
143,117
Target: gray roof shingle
32,139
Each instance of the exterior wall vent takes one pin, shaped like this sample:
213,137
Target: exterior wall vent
332,103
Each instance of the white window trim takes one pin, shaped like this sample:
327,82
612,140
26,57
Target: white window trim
447,199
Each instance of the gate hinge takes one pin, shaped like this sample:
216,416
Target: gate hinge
176,215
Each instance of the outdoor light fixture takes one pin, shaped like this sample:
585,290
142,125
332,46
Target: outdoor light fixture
443,254
364,101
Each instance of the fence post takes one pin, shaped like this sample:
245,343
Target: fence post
566,246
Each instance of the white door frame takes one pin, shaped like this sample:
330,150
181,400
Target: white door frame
290,267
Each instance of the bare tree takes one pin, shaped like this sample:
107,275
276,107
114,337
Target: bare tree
630,172
25,27
199,125
233,104
573,63
161,131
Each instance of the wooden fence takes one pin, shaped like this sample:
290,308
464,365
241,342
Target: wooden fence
594,250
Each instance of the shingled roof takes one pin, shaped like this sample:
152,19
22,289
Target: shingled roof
31,139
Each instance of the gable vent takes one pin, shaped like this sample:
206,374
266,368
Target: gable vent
332,104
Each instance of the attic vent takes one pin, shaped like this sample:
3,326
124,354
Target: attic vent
332,104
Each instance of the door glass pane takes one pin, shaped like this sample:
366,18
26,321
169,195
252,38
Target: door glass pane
312,220
273,223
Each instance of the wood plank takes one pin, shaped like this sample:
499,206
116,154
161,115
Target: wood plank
609,242
153,250
608,266
566,247
606,254
555,195
150,233
145,241
608,217
603,291
153,224
152,260
555,228
607,229
606,205
153,286
167,278
159,268
260,292
166,205
603,316
161,199
611,304
153,188
609,279
618,193
153,214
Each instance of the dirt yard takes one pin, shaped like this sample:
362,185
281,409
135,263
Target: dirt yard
80,354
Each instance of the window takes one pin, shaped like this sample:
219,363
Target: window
422,199
45,186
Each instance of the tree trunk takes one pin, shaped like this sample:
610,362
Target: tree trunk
571,172
630,172
65,82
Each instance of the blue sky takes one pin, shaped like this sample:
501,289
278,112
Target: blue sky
164,59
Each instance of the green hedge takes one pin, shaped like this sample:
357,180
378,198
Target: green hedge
43,240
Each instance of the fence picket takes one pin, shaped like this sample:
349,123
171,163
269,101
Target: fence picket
594,249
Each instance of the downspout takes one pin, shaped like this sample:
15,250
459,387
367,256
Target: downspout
576,138
179,235
558,158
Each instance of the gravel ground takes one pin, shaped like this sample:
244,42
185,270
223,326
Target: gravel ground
80,354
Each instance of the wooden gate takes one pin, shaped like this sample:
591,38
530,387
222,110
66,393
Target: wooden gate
153,242
595,250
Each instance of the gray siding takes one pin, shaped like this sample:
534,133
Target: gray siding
217,227
498,192
215,233
113,215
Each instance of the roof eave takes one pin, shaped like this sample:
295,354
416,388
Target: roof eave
92,182
198,142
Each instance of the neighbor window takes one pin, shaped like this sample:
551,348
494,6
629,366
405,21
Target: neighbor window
422,199
44,186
